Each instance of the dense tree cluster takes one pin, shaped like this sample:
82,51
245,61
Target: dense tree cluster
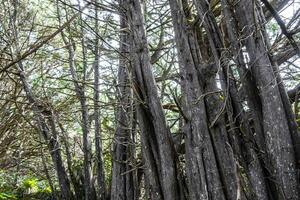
132,99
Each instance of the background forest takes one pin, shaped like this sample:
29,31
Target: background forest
149,99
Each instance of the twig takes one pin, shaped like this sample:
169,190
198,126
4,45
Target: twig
40,44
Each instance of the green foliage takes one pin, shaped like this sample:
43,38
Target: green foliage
30,183
274,27
26,187
7,196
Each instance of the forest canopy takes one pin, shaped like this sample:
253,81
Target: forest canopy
149,99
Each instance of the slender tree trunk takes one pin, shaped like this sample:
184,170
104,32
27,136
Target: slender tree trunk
40,118
88,184
98,145
51,139
78,190
157,147
123,172
46,171
80,93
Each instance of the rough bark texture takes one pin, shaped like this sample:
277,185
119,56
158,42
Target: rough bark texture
276,130
202,172
215,105
235,133
158,150
123,173
246,154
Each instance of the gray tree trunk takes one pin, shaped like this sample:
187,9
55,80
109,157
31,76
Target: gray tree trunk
221,55
42,116
277,135
98,145
123,186
204,181
158,150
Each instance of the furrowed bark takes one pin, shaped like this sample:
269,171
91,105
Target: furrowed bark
158,150
293,126
124,175
202,172
246,155
276,130
224,152
256,135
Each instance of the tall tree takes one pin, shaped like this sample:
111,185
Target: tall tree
124,174
158,150
43,115
279,145
98,144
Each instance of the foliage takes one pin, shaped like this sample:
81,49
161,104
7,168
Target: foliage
48,75
27,187
7,196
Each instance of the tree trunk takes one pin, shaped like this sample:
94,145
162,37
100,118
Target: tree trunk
98,145
51,139
204,180
78,188
276,129
80,93
293,126
221,56
124,174
40,118
158,150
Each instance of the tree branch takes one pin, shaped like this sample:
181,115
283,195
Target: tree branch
293,93
41,43
282,25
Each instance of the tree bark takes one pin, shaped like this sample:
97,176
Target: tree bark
234,110
98,145
41,119
124,173
204,180
276,130
158,151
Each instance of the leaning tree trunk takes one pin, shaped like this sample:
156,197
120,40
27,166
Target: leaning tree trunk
80,94
50,138
251,93
157,147
293,126
42,115
278,140
78,190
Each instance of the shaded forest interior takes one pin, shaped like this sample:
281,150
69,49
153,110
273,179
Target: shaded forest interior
149,99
